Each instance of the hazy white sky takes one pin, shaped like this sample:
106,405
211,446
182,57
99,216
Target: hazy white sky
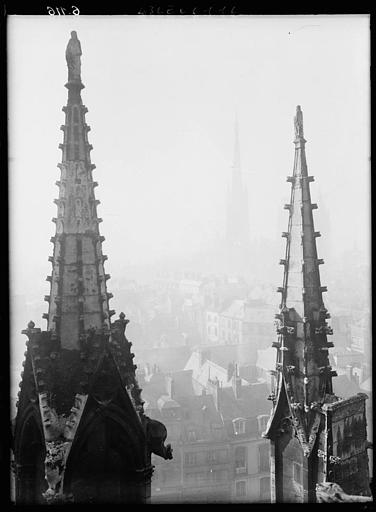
162,94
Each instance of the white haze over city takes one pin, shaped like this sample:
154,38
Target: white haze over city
162,94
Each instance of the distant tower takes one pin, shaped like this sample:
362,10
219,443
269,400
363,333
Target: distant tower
81,433
237,228
315,436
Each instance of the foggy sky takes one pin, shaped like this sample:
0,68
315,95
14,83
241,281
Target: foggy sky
162,93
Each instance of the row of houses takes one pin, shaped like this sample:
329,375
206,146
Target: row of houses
215,432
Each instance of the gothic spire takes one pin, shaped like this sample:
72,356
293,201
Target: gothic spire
236,161
78,299
302,289
80,372
304,376
238,231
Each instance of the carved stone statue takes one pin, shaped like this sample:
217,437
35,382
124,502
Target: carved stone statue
298,121
73,56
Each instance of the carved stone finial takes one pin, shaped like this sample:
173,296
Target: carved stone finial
298,121
122,316
31,325
73,56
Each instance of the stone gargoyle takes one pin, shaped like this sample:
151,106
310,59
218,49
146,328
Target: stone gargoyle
156,434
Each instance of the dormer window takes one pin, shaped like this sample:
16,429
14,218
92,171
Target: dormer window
262,421
239,426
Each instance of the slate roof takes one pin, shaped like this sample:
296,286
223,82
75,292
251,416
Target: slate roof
252,402
165,358
222,355
242,309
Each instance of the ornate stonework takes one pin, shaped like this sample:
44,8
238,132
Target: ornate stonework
304,393
80,372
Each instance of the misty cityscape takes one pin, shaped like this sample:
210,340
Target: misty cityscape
192,200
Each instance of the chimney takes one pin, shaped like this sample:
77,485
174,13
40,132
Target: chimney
203,355
213,388
170,387
230,370
236,383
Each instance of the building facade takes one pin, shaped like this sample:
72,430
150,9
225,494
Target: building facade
216,435
315,436
80,433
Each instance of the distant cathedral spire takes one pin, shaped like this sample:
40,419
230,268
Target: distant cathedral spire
236,160
238,229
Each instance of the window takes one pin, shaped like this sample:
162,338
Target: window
297,472
192,435
240,489
239,426
210,456
240,459
265,489
217,456
262,420
264,463
190,459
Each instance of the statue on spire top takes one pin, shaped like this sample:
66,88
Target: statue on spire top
298,121
73,56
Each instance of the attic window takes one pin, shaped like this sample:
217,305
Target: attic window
262,420
239,426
